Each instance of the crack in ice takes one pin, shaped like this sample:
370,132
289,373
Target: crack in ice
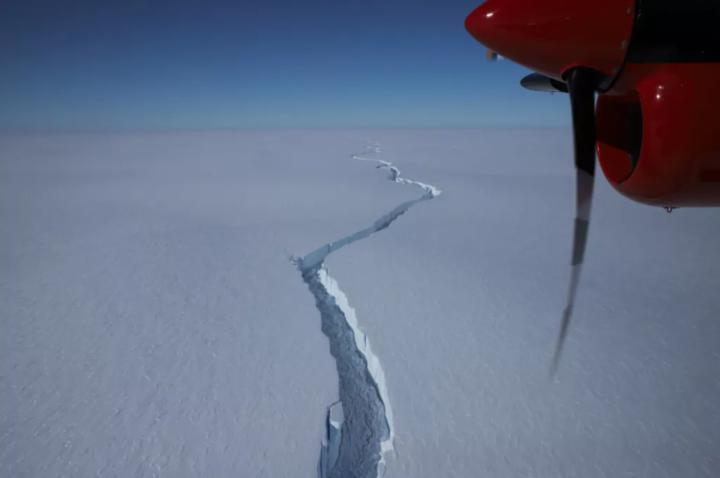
359,427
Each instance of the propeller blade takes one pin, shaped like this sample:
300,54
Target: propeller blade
581,86
538,82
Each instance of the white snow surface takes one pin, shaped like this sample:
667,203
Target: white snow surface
152,324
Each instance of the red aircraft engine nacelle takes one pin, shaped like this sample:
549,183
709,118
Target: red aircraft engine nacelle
658,70
658,134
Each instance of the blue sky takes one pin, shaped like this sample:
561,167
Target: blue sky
235,64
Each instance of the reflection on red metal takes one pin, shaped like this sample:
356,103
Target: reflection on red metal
552,36
679,144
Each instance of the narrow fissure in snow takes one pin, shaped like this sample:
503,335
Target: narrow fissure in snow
359,426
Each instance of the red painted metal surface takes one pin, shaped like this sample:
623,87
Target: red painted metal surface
552,36
679,160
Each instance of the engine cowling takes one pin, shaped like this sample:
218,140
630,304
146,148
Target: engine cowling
554,36
658,134
657,64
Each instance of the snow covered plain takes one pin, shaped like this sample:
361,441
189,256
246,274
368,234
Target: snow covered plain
153,324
